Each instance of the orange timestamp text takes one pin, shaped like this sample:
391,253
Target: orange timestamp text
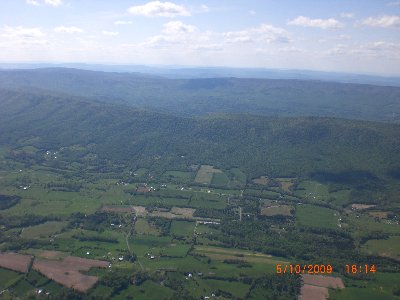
304,269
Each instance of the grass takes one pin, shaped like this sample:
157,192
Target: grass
365,224
182,228
141,172
8,278
22,288
379,288
178,175
147,290
142,226
388,248
43,230
176,250
220,179
101,291
227,253
239,178
205,174
144,244
312,191
283,210
315,216
200,287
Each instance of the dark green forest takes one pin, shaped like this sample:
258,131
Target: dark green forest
258,145
201,96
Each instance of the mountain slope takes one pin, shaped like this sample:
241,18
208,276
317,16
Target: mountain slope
258,145
287,98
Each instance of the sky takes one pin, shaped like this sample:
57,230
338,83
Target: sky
357,36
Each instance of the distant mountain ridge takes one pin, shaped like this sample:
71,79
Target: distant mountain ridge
203,96
179,72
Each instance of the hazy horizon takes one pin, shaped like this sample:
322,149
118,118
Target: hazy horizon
335,36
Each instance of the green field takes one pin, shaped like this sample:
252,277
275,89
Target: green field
142,226
205,174
8,278
148,290
180,175
389,247
315,216
182,228
43,230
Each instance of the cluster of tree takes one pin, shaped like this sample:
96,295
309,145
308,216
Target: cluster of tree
8,201
11,221
68,186
96,222
95,238
285,286
118,281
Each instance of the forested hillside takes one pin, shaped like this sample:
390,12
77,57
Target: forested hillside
259,145
281,98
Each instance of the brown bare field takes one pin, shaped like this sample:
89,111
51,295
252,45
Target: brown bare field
117,208
174,213
362,206
67,271
143,189
183,211
16,262
310,292
379,214
283,210
263,180
140,210
205,174
286,184
323,281
48,254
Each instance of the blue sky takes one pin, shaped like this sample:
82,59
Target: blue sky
361,36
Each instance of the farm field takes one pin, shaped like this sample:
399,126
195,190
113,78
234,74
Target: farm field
388,247
283,210
317,217
205,174
43,230
174,228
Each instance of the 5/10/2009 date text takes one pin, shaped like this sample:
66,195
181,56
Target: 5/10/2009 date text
304,269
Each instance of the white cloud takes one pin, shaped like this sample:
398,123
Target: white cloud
263,33
33,2
122,22
207,47
68,29
23,32
373,49
382,21
394,3
159,9
204,8
252,12
347,15
318,23
110,33
177,27
23,35
53,2
344,37
175,33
